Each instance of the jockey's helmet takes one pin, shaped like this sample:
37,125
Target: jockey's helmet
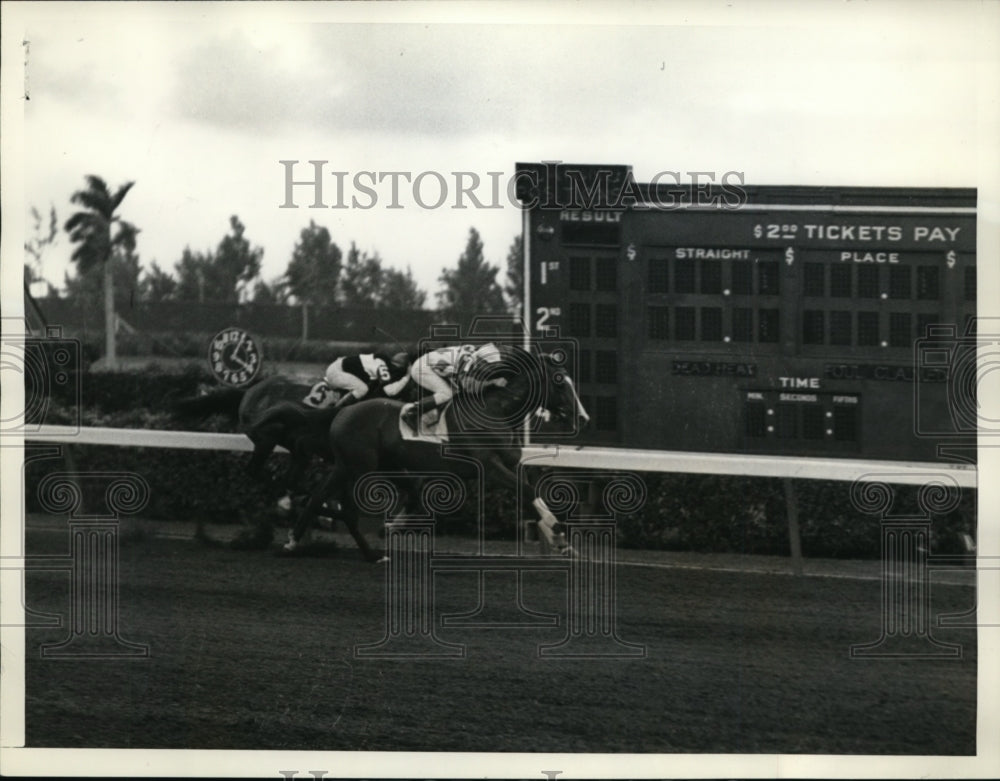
401,360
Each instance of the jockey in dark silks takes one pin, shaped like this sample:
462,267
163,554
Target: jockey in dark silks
357,375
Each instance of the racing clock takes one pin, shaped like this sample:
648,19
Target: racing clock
234,357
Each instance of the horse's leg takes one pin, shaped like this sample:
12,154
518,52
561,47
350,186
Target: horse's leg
350,516
411,491
262,449
505,464
311,509
265,439
296,469
334,484
362,462
302,453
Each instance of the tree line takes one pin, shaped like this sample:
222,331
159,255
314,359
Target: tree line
107,267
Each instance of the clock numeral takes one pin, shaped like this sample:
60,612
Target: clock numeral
233,356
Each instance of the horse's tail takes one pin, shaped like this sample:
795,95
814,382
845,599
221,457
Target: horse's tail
224,401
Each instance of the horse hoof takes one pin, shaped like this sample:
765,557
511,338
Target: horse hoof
289,547
383,560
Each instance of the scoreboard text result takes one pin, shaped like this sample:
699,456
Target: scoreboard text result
790,320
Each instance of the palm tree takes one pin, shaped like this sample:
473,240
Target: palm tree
92,230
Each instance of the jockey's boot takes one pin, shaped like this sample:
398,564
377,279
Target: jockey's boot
415,411
344,401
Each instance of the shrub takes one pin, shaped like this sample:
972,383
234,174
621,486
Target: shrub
189,485
750,515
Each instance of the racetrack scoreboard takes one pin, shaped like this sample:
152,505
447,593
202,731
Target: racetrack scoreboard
819,321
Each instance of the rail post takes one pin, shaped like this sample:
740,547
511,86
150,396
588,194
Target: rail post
794,533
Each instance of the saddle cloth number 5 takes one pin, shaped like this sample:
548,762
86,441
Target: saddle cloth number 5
321,395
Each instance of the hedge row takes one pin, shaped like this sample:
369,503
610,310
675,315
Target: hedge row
714,513
148,392
682,512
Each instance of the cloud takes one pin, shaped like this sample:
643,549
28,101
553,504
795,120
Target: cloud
440,80
200,114
231,81
331,77
68,65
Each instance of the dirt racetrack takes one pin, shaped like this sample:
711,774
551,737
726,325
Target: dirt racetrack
252,651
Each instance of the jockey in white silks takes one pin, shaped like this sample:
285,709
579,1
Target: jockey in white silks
444,370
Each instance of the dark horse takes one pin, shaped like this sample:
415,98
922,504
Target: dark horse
486,426
272,413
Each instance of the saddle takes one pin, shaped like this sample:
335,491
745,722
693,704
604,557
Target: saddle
436,432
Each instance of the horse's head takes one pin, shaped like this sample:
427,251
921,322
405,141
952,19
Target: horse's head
540,384
532,384
562,404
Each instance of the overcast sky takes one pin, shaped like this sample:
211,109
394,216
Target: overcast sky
198,104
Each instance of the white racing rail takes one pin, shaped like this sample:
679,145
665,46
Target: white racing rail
795,467
788,468
128,437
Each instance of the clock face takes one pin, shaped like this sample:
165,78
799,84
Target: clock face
234,357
